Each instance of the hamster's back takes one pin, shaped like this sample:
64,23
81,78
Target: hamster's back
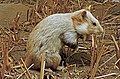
45,36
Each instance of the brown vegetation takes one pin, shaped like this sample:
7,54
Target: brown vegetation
104,49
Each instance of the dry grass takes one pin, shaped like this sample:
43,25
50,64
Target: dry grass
100,47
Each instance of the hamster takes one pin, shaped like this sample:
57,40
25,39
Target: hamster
55,31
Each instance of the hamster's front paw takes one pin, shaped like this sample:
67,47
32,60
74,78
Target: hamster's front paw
60,68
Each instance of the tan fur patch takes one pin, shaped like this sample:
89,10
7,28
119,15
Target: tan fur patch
77,20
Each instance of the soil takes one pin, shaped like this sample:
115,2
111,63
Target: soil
78,62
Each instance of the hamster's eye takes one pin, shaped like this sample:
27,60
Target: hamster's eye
94,23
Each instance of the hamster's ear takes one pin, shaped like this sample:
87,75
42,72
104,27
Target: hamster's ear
77,19
83,14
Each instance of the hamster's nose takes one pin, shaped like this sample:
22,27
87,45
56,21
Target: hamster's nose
101,30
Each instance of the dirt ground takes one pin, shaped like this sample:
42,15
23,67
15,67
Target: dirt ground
18,18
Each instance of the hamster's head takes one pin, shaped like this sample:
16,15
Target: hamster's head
85,23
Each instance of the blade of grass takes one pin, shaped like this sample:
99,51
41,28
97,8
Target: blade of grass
99,77
42,66
29,75
117,51
107,61
94,70
5,64
93,58
24,72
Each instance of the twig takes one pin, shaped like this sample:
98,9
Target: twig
70,76
93,58
96,64
18,66
112,23
107,11
106,75
112,18
15,26
28,11
115,42
11,49
4,30
108,52
9,76
107,60
79,3
38,14
117,51
117,62
42,66
5,64
117,77
36,7
26,69
24,72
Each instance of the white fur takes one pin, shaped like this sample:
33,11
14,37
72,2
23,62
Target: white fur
89,16
93,19
82,29
46,36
